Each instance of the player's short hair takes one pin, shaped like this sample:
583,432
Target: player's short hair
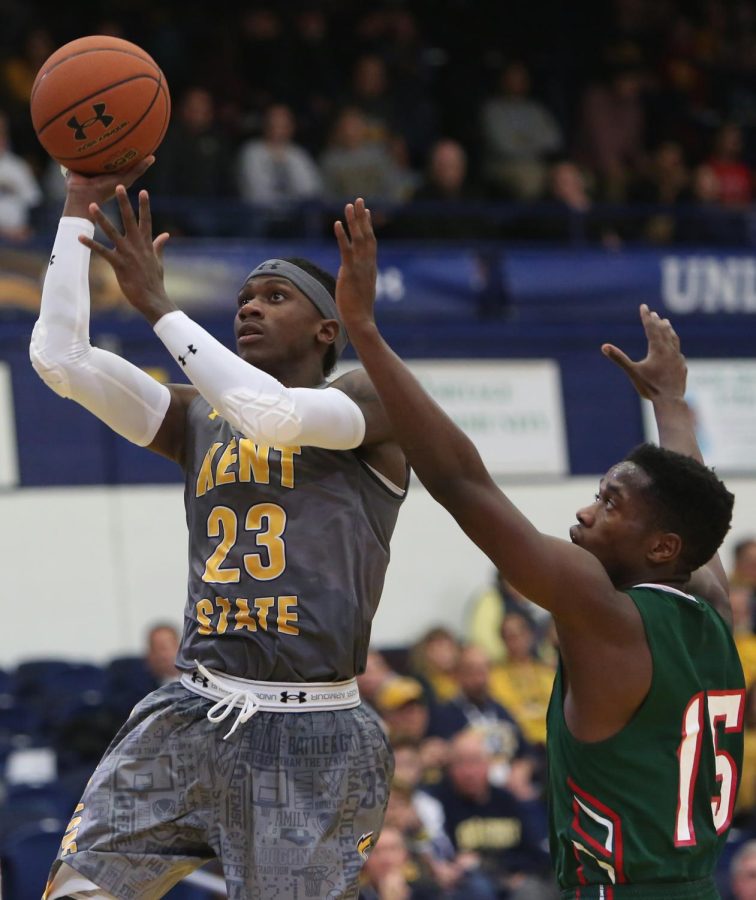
687,498
329,283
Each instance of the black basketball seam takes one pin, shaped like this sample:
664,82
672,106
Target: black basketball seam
167,116
60,62
125,134
101,90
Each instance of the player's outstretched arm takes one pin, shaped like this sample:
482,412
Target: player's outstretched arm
661,377
254,402
123,396
553,573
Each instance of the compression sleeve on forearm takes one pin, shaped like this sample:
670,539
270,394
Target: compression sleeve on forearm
255,403
117,392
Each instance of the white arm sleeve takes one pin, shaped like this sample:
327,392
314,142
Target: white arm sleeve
254,402
122,395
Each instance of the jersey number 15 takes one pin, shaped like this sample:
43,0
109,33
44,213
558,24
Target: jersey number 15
725,712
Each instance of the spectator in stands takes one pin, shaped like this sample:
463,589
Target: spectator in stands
455,875
162,646
132,678
19,191
569,214
276,173
611,134
744,564
433,660
354,164
17,73
389,873
195,162
265,54
522,683
487,612
371,94
402,704
743,605
706,220
665,181
408,57
733,175
520,135
409,775
446,205
514,761
377,672
743,872
315,72
507,835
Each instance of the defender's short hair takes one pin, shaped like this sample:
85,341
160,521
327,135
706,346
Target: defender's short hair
688,499
329,283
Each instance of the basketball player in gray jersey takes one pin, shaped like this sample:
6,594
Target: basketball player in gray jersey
261,755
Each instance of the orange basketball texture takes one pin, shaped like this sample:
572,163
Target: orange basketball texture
100,104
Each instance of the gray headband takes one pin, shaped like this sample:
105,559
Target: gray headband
315,292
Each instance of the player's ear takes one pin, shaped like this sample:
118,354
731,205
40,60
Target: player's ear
328,331
665,547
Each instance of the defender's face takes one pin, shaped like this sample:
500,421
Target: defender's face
274,321
616,526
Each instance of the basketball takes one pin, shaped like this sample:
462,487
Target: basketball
99,104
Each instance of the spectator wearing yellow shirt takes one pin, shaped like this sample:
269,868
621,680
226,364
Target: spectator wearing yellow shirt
433,659
742,605
522,684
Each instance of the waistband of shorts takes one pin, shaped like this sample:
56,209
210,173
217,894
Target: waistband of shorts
275,696
701,889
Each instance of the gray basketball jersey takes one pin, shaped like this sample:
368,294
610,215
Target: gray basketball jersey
288,548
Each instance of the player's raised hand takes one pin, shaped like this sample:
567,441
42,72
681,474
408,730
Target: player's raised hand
136,258
81,190
662,372
355,285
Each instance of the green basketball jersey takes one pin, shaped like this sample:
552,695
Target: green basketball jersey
652,804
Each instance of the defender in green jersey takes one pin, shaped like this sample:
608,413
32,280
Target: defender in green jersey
646,718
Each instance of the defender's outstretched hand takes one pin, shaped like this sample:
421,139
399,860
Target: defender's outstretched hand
355,285
135,257
662,373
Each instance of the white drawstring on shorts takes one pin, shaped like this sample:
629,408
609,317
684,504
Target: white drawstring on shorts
219,711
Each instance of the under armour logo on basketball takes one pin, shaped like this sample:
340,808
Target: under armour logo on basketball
200,679
299,696
191,349
80,128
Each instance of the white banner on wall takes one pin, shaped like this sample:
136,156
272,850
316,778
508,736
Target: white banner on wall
8,444
512,411
722,394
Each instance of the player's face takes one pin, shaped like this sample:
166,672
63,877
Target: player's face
617,526
275,322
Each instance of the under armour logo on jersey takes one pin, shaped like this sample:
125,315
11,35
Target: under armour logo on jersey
52,259
299,696
191,349
80,128
200,679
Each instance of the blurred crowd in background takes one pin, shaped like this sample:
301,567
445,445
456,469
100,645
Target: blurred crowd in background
595,121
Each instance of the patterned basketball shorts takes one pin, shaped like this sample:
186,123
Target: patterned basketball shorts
289,803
